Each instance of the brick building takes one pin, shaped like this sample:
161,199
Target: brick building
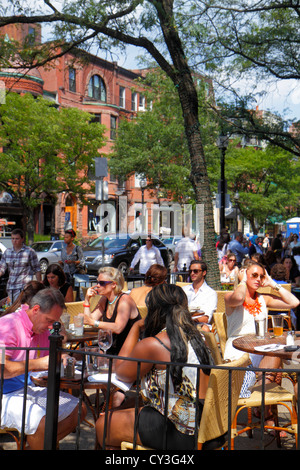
105,90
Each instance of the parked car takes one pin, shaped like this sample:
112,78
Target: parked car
4,244
48,252
171,243
119,250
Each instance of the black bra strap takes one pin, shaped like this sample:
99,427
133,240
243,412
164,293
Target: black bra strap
162,343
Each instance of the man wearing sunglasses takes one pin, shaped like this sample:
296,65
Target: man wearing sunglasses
202,299
147,255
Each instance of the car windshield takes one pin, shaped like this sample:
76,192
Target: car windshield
41,246
109,242
6,242
167,241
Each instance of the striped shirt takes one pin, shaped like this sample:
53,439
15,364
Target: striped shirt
22,265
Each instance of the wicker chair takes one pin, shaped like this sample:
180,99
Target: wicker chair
143,310
214,419
182,284
221,301
74,308
269,290
220,322
286,313
212,345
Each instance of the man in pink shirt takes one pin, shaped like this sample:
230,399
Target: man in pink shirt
29,327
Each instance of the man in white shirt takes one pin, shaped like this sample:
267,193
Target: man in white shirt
201,298
147,255
186,250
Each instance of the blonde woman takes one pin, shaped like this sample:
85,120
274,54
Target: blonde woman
116,310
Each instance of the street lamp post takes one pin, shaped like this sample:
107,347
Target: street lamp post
236,200
222,143
143,184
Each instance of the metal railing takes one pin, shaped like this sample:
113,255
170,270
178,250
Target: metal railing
53,388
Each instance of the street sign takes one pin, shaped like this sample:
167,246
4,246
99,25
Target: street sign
101,167
218,201
99,195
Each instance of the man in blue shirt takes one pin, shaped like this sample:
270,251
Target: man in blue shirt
238,249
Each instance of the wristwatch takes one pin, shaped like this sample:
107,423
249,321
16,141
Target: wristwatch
277,287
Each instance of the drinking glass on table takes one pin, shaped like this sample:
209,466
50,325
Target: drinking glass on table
78,324
277,321
92,359
104,341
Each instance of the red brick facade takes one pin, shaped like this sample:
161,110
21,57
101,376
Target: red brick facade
101,88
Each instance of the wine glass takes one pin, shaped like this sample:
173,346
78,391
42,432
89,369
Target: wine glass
104,341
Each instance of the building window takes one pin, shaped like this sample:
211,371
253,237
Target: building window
141,103
133,101
96,118
97,89
122,97
113,127
72,79
31,36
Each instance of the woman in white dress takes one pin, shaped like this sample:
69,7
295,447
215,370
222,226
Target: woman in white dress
245,303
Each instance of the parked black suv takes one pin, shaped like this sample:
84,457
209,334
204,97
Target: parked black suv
119,250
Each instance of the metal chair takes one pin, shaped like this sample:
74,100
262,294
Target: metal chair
274,395
15,434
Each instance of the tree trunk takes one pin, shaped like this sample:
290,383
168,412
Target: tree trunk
184,83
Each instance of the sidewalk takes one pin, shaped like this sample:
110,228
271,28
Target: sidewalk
87,438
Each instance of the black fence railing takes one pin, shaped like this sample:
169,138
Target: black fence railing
53,386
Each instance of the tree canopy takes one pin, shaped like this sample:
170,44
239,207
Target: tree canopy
154,143
45,151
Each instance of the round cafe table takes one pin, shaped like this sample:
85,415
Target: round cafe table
249,343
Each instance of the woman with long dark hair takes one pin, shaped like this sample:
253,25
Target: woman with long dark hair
293,274
169,335
55,278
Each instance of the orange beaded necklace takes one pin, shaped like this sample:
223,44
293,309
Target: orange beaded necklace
253,309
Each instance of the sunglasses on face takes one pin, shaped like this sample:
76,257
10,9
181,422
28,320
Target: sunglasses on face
196,271
231,260
103,283
256,275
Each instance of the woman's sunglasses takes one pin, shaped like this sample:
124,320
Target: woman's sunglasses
256,275
104,283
